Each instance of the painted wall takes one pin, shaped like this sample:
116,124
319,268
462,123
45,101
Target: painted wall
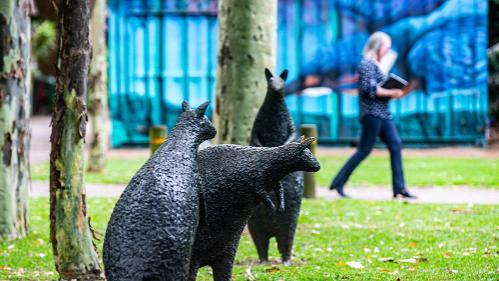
164,52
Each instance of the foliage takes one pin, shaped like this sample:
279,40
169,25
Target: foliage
44,39
493,58
493,82
336,240
493,22
375,170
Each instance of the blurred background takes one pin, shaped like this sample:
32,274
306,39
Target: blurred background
163,52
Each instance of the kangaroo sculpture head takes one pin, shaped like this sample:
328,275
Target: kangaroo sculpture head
196,121
276,83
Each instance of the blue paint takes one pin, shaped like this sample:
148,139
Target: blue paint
164,51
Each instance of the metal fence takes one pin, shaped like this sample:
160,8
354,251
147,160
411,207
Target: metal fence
163,52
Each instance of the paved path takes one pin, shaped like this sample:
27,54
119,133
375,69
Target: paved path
40,149
425,195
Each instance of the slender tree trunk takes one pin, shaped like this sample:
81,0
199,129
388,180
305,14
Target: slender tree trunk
97,89
15,108
246,45
74,252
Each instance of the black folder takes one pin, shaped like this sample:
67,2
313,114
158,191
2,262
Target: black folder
394,82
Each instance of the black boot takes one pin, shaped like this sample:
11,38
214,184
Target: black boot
340,191
404,194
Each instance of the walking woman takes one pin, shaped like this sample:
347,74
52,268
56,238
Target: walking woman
375,117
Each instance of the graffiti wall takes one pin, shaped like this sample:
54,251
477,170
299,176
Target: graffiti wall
440,43
163,52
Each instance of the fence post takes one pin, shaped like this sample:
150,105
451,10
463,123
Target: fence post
309,130
157,135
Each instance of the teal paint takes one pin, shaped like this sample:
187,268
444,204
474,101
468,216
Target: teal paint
179,44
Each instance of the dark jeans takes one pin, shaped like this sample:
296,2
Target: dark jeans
372,127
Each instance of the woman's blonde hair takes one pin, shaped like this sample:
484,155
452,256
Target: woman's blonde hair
374,43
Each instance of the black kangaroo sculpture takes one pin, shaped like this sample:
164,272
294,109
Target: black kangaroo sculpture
273,126
153,225
235,180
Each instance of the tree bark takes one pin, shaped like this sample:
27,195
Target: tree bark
246,45
97,89
74,252
15,109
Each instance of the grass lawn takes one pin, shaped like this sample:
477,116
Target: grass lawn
419,171
336,240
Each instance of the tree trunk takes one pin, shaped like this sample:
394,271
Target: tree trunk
15,109
97,89
246,45
74,252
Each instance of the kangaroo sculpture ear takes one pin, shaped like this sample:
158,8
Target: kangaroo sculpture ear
202,108
284,75
185,106
307,142
268,74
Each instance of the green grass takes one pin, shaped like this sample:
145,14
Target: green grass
375,170
117,171
419,171
449,242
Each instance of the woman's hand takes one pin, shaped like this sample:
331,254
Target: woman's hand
397,93
391,93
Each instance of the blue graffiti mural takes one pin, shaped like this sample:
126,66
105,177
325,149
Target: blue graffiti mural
164,51
442,42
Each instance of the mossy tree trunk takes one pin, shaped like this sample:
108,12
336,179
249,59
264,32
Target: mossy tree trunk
97,89
246,45
15,108
74,252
